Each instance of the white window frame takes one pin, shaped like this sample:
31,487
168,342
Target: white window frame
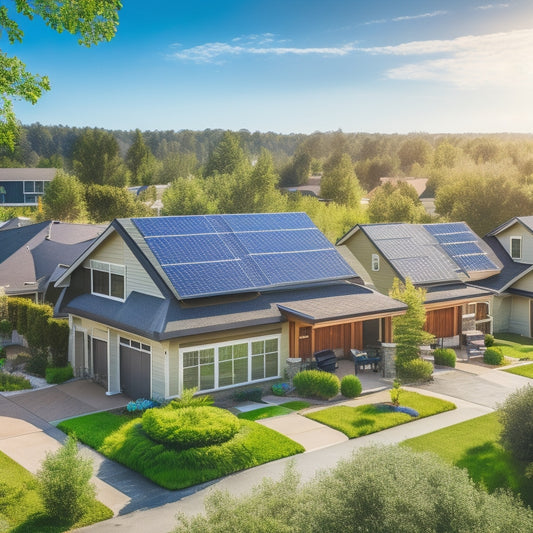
110,268
519,239
216,347
375,262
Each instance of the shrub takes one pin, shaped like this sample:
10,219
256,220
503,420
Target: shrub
316,383
493,356
5,328
248,395
2,352
37,363
9,382
280,389
489,340
188,399
414,370
59,374
190,427
58,334
64,482
351,386
395,393
140,405
517,421
444,357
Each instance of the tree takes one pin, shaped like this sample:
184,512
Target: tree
140,161
517,423
64,482
339,182
93,22
64,198
105,202
414,150
228,156
396,203
186,196
264,181
177,165
96,159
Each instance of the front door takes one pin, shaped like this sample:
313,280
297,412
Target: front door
304,341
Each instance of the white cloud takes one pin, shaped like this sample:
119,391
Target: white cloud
492,6
421,16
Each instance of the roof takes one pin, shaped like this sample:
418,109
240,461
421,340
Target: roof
29,255
208,255
419,184
27,174
431,253
161,319
527,222
457,291
510,273
15,223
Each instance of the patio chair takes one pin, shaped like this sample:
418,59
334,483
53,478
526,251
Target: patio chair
362,359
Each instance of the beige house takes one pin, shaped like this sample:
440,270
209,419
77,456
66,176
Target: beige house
163,304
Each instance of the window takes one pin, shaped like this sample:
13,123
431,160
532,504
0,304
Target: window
107,279
229,364
135,345
516,247
375,262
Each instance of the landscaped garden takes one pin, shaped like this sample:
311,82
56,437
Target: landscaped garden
522,370
22,508
513,345
365,419
273,410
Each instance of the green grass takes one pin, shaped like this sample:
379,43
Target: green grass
474,445
516,346
122,439
522,370
273,410
365,419
22,508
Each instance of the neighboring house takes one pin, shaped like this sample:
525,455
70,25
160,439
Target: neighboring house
24,186
32,256
311,188
16,222
159,305
445,259
512,242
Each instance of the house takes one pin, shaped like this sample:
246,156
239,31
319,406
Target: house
512,242
23,186
158,305
445,259
33,256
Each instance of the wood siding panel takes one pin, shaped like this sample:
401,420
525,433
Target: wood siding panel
442,322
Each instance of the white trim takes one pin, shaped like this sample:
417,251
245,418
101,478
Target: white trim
95,264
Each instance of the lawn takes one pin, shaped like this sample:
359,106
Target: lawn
516,346
365,419
273,410
21,507
522,370
473,445
121,438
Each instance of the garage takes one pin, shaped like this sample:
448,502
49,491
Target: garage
135,362
99,350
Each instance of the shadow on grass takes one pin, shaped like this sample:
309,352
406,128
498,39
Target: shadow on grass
42,523
494,468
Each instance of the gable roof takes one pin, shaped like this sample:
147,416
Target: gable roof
29,255
27,174
208,255
431,253
527,222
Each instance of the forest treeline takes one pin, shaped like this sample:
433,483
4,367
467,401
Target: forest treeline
481,179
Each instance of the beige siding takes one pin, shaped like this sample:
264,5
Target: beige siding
362,248
158,370
525,283
501,312
519,317
110,251
517,230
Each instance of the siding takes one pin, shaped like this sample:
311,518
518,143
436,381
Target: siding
517,230
525,283
501,311
362,248
519,317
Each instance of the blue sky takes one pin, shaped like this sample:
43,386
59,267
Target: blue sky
293,66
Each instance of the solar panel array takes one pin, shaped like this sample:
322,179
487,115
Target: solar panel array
208,255
462,245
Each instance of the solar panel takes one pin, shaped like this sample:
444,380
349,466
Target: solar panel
450,238
475,262
447,227
464,248
207,255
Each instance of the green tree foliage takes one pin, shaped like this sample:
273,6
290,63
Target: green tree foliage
64,199
446,155
96,159
408,329
105,202
339,182
93,22
228,157
517,422
64,482
396,203
140,161
378,490
298,170
369,171
264,183
177,165
187,196
414,150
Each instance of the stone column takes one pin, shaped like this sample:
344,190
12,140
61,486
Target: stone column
294,365
388,356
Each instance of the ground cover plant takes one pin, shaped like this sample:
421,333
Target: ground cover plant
522,370
22,509
10,382
475,446
365,419
273,410
378,489
122,438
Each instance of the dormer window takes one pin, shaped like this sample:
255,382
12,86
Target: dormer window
107,279
375,262
516,247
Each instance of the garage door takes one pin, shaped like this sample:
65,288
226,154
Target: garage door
100,361
135,372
